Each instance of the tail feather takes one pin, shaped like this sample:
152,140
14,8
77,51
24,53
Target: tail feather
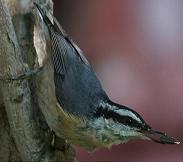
55,26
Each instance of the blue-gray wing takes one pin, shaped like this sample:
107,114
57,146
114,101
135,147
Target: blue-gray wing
64,48
78,90
61,43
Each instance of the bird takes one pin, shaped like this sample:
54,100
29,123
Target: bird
90,119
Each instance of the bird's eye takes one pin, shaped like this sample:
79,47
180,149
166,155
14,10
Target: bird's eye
128,121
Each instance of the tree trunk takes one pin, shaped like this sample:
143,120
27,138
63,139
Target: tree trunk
28,111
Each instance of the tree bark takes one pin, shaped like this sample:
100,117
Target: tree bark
28,112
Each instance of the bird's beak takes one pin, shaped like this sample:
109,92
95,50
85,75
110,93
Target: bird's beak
160,137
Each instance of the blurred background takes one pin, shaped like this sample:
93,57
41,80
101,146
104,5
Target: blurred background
136,48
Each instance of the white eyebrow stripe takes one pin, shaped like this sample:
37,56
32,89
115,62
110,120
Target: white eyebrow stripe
128,113
122,112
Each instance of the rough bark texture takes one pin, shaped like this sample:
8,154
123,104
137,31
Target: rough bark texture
8,150
27,107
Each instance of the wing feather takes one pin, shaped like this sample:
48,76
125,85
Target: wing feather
62,45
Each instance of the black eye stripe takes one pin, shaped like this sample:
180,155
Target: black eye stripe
126,108
109,114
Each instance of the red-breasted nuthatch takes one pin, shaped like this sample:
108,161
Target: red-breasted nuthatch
89,118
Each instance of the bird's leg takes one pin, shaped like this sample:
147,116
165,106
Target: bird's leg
25,75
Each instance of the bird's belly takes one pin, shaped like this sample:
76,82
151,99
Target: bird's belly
77,132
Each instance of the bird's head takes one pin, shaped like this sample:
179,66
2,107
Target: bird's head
122,124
